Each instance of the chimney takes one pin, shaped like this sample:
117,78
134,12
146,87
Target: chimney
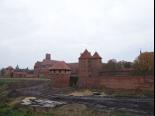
48,56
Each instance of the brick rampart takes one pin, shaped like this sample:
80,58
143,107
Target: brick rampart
118,82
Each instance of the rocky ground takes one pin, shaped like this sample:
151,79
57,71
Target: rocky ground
88,105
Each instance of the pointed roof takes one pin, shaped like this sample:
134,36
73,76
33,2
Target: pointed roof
96,55
85,54
60,66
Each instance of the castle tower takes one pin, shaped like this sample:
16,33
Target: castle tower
48,56
84,68
59,74
85,64
96,64
89,69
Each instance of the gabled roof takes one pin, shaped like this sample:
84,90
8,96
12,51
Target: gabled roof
96,55
86,54
61,65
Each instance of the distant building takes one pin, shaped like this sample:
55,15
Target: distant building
18,73
23,73
8,72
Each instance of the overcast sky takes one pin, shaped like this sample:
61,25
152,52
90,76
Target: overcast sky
115,28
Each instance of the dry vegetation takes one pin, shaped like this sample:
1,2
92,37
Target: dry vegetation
12,107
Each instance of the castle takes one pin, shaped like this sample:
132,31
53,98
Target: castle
61,72
89,72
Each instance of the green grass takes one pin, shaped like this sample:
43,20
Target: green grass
4,82
6,110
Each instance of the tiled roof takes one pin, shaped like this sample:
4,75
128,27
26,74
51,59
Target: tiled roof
48,62
60,65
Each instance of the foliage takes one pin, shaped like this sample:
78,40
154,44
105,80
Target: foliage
111,65
124,64
6,110
2,83
144,64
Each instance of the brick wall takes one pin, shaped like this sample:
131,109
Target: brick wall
118,83
60,81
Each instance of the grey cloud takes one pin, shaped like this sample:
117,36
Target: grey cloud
114,28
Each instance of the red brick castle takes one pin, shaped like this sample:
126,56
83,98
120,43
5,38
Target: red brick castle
89,72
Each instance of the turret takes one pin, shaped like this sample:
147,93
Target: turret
48,56
59,74
85,64
96,64
85,55
96,56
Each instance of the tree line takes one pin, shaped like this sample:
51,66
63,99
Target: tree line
142,65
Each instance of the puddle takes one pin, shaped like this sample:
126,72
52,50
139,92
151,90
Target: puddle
34,102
